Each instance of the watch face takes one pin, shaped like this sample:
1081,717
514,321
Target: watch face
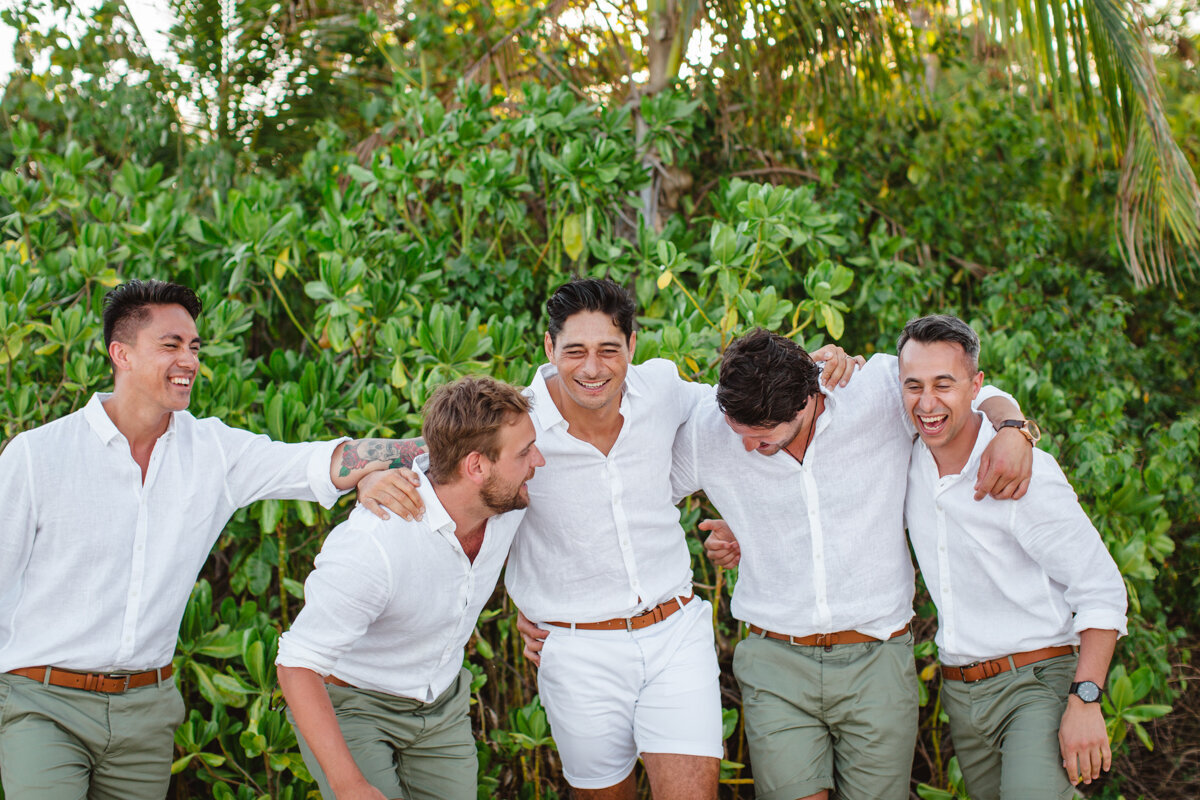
1087,691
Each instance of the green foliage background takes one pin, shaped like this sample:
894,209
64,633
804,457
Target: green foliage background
354,254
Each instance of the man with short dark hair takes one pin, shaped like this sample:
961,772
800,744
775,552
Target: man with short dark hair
600,561
110,512
372,666
1030,603
812,482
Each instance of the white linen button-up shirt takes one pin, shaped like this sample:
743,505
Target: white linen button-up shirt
822,542
1008,576
601,538
96,566
391,603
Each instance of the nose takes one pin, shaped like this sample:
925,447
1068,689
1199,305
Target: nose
538,460
189,359
750,443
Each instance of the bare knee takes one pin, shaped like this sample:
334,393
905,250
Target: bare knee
678,777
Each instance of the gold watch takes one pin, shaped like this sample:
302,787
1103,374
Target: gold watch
1028,428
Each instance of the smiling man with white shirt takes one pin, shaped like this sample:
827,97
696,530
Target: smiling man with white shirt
812,483
1030,603
372,667
109,514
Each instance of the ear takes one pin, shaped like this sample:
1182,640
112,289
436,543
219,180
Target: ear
549,345
118,352
473,467
976,384
632,345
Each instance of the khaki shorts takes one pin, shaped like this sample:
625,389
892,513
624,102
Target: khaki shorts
843,718
403,747
1005,730
65,744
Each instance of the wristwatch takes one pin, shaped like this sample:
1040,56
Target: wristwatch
1087,691
1028,428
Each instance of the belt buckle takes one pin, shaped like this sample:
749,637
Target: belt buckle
827,640
990,670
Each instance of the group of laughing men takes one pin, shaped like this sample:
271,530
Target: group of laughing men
816,468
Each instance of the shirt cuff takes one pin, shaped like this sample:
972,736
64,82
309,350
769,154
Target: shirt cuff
318,473
293,654
1100,619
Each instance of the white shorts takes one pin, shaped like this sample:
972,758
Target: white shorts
610,695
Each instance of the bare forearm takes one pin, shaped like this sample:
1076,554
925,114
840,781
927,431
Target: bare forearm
354,459
998,409
1096,647
317,723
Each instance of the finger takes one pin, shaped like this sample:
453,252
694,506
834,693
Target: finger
1022,488
862,362
707,525
375,508
1070,765
533,657
1106,756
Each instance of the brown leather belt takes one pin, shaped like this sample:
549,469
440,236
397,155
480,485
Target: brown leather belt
643,620
108,682
334,680
982,670
826,640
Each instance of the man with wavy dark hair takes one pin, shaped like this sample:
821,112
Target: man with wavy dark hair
110,512
812,483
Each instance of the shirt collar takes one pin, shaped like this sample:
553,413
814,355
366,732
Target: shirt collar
547,413
102,425
436,516
982,440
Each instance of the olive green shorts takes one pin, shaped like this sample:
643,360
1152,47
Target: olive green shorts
70,744
843,718
403,747
1005,731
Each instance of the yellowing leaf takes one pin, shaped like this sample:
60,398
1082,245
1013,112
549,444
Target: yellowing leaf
399,379
664,280
572,235
281,262
928,673
692,365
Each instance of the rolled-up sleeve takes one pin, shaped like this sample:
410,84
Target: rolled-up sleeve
346,592
258,468
1053,528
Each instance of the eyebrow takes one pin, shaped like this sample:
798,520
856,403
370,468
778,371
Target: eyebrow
175,337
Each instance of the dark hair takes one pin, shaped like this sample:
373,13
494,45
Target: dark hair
942,328
766,379
126,308
464,417
591,294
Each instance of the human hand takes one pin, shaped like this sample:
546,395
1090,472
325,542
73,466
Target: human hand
839,366
1083,741
393,489
1005,466
533,636
721,546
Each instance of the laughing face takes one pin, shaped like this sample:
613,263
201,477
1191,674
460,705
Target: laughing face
506,486
161,365
939,383
769,441
592,357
